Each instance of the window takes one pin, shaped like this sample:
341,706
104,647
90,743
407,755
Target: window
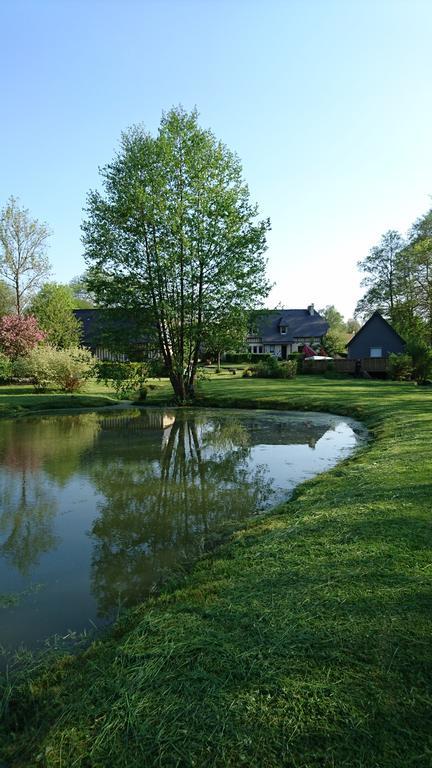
260,350
283,329
271,349
376,352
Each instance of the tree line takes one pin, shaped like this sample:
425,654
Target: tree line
398,280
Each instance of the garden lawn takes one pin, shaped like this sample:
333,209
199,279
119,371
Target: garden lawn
303,641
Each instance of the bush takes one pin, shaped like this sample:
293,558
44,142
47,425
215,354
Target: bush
287,369
6,369
67,369
262,358
401,366
128,379
298,359
247,373
157,368
273,369
19,335
421,354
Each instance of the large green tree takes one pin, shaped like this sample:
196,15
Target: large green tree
23,260
52,306
382,276
174,231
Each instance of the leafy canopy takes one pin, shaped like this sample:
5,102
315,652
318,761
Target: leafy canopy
174,233
52,307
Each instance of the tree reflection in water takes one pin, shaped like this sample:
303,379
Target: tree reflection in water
32,453
158,507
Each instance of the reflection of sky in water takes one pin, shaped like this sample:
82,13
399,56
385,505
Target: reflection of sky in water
95,508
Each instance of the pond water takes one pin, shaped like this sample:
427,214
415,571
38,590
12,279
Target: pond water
96,507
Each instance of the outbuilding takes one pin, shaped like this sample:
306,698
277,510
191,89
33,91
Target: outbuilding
375,339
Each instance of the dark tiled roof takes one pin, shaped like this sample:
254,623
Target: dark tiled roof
299,324
100,326
378,315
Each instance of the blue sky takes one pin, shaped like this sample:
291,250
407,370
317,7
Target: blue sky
327,102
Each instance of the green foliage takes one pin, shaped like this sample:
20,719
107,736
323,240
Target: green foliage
336,338
401,366
65,369
238,357
174,233
398,279
7,299
335,341
52,306
128,379
82,296
226,331
421,354
273,369
6,368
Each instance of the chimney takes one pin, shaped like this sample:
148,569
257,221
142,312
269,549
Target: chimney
311,309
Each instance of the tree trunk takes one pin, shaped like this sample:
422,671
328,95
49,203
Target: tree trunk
218,362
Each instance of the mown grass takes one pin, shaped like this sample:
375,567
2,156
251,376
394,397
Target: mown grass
304,641
19,399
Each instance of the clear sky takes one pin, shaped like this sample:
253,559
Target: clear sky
327,102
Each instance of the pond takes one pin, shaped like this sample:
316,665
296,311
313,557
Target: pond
96,508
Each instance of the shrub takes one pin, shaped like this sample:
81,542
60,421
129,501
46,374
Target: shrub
287,369
401,366
298,357
273,369
421,355
247,373
128,379
67,369
6,369
19,335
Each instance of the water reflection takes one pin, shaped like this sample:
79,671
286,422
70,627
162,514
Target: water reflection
157,512
97,507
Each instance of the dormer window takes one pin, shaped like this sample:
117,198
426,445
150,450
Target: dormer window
283,329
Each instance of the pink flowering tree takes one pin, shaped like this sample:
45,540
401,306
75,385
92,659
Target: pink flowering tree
19,334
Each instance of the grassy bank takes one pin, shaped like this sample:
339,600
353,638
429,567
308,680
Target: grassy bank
16,400
302,642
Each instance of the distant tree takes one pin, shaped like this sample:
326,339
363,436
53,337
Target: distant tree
419,261
333,316
352,325
52,306
175,231
7,299
19,335
23,261
382,268
337,336
82,296
226,334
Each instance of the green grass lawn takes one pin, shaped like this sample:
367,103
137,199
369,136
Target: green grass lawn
303,641
19,399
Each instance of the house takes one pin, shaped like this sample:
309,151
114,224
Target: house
116,334
375,339
283,331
